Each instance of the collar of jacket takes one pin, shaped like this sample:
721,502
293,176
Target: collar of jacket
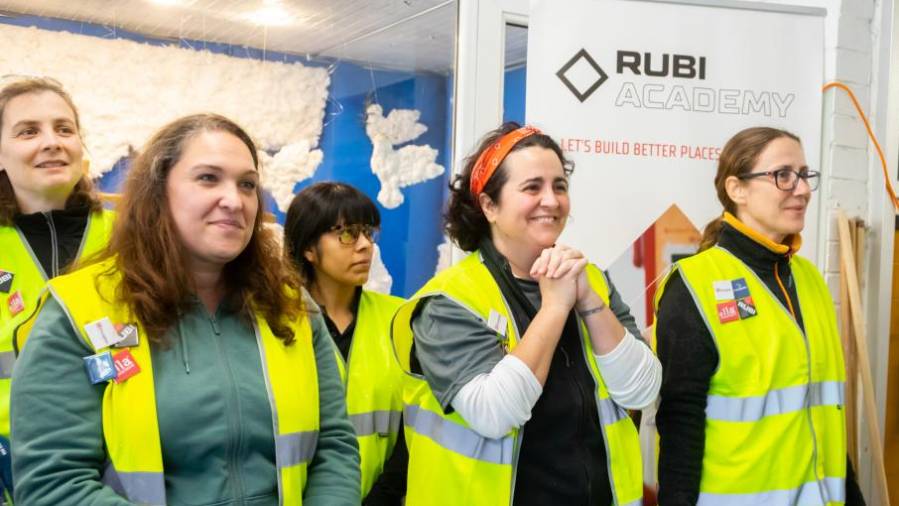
754,249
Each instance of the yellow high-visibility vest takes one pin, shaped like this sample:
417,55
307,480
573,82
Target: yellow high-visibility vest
373,384
130,426
28,279
775,427
450,463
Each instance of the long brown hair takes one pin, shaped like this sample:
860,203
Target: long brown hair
737,158
151,258
83,194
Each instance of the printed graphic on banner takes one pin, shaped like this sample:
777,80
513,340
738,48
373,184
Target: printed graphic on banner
643,106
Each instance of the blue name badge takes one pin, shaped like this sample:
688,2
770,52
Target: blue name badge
100,367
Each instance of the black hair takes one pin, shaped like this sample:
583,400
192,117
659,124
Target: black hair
465,222
318,208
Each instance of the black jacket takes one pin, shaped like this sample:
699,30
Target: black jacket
54,236
689,359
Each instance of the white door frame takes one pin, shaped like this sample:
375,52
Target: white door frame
480,70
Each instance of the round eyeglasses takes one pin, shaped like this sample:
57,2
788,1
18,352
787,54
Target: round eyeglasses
349,234
787,179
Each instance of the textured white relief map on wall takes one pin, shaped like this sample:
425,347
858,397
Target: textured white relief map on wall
126,90
398,168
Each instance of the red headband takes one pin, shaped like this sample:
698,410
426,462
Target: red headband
491,157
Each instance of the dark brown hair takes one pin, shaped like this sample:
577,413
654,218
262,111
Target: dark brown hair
148,252
83,193
465,221
737,158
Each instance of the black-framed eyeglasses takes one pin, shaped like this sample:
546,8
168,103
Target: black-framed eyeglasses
349,234
787,179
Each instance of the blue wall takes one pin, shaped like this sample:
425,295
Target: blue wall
514,94
410,233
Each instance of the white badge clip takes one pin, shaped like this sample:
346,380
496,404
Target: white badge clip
497,322
102,333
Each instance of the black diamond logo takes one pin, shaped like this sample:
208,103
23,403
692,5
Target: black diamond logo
582,55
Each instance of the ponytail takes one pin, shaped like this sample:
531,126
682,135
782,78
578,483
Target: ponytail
711,234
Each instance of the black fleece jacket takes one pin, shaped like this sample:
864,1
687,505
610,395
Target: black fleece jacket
689,359
54,236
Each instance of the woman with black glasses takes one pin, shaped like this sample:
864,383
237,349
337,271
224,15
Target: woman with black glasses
330,233
753,375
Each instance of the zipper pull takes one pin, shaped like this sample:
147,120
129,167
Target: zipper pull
215,325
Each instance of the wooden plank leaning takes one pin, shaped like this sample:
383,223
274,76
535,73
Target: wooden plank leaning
848,265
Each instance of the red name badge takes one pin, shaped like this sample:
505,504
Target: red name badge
15,303
727,311
125,366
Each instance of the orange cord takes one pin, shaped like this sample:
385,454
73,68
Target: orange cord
784,291
883,161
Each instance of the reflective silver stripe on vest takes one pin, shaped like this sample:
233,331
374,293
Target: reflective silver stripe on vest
376,422
295,448
609,412
637,502
141,488
459,439
7,360
809,494
775,402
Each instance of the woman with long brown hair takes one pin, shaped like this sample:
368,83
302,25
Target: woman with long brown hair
185,366
752,390
49,215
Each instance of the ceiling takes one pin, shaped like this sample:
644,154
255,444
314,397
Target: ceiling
393,34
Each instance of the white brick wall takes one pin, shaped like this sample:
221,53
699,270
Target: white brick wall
848,163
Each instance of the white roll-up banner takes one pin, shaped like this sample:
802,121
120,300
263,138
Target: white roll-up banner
643,95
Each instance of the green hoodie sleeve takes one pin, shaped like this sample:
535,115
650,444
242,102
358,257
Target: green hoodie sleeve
334,478
57,434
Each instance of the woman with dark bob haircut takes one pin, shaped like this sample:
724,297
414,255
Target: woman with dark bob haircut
751,403
518,373
182,366
330,232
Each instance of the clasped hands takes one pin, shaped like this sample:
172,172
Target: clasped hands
562,276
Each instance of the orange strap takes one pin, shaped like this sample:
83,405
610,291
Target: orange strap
883,160
494,155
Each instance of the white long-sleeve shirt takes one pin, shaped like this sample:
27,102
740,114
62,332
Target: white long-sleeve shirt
493,403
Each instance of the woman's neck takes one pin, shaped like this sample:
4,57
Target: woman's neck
520,258
336,299
210,287
42,203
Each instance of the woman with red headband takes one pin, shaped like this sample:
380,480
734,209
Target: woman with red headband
518,373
